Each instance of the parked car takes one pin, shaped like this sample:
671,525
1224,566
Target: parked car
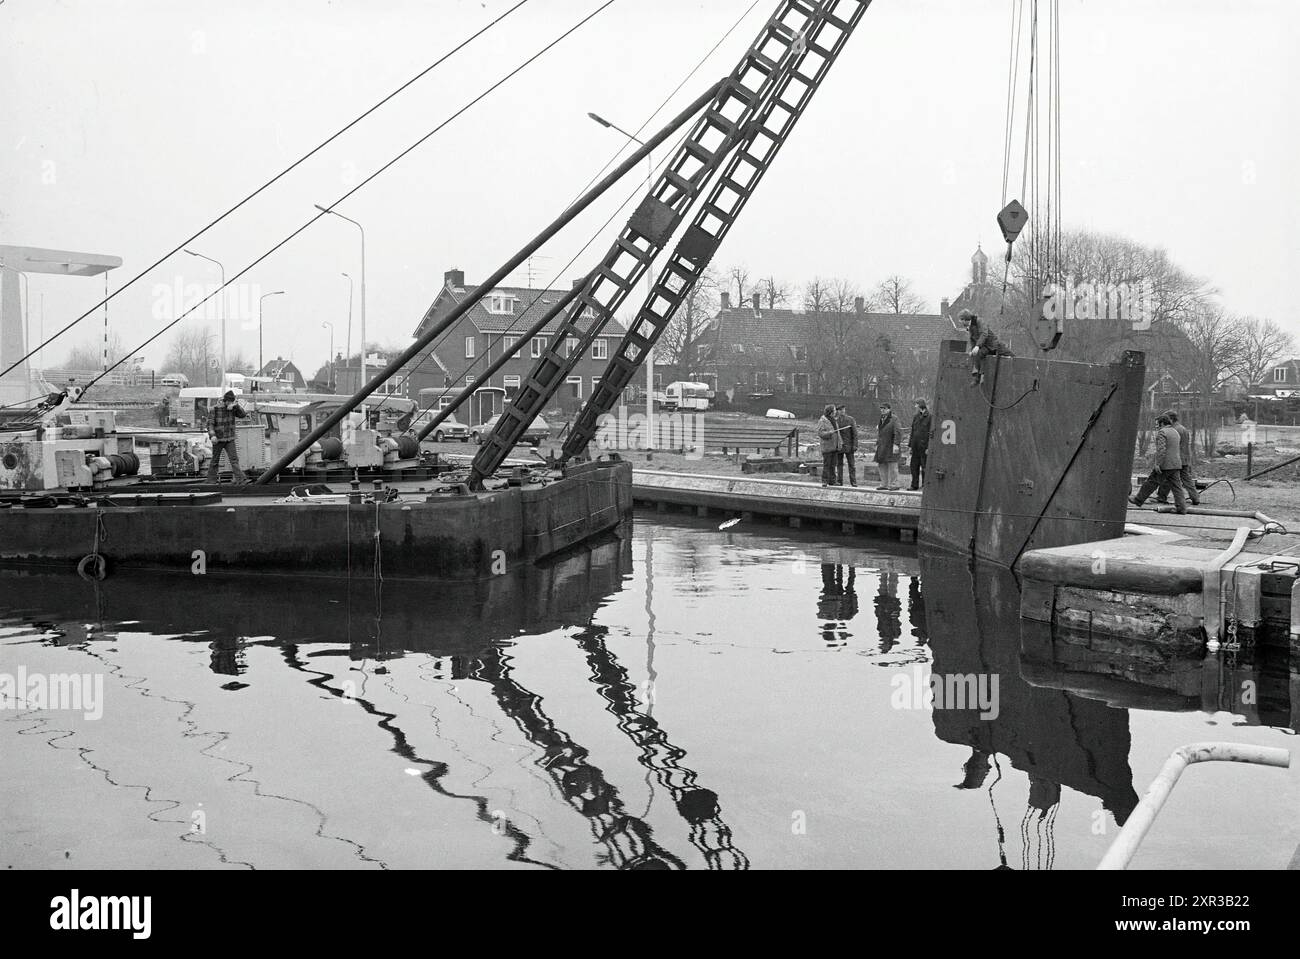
537,431
175,379
780,415
449,429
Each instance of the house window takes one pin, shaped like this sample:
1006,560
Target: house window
469,381
595,383
738,347
570,344
600,349
800,352
539,344
760,381
511,383
501,305
800,382
1279,375
469,347
575,386
508,343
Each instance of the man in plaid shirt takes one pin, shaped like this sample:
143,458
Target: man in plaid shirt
221,428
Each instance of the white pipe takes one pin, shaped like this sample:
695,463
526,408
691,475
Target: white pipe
1126,844
1212,585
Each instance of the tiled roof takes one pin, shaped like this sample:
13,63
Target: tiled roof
530,306
768,335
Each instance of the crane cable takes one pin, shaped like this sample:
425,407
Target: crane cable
292,166
382,169
599,230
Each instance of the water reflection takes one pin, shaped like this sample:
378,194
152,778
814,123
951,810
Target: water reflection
524,707
1052,737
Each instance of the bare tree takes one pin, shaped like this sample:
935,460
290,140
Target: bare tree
816,295
1264,345
193,353
90,355
894,294
688,330
774,292
738,280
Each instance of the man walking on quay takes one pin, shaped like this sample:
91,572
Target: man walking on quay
887,448
1184,453
828,432
848,428
221,428
1166,466
918,443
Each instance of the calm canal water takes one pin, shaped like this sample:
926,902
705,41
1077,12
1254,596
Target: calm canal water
684,698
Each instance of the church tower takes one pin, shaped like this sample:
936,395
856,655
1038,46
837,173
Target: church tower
979,267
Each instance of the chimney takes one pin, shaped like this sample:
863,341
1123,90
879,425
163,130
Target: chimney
944,307
758,302
859,304
454,279
724,300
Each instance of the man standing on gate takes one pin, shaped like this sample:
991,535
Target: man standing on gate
848,429
221,428
918,442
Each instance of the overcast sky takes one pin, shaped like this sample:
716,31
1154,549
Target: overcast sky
128,124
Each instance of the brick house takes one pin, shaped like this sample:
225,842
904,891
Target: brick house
752,350
492,325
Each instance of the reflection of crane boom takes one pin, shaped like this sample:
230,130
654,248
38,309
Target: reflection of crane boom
749,119
697,805
627,839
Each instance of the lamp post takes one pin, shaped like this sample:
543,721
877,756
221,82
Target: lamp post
331,372
363,292
347,339
223,310
649,286
260,367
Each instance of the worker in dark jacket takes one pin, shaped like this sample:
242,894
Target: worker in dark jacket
918,443
983,342
887,436
221,428
848,429
1166,465
828,433
1185,453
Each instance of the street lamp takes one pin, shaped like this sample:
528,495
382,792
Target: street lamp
260,367
649,287
347,340
223,309
331,373
363,291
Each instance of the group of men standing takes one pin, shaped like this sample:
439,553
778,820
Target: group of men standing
838,432
1171,466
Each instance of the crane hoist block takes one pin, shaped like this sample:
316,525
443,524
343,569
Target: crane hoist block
1012,220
